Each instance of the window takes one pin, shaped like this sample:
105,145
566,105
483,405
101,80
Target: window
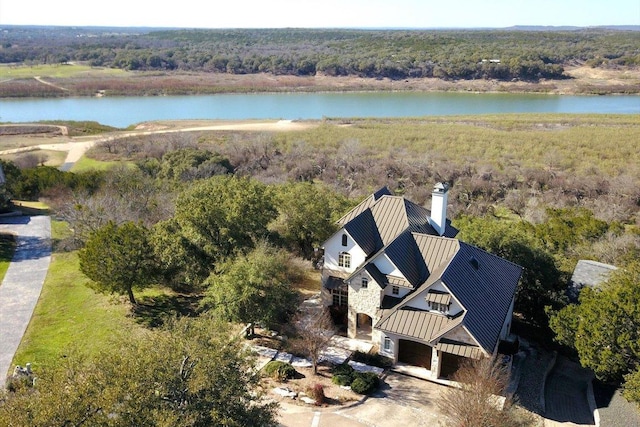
442,308
344,260
365,283
344,240
395,290
339,296
387,344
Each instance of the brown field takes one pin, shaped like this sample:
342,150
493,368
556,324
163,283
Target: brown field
584,80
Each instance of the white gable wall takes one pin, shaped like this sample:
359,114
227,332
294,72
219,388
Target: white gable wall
420,302
333,247
385,266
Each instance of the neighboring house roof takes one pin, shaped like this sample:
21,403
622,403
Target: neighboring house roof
481,283
588,273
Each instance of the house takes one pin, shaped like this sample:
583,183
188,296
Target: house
409,286
588,273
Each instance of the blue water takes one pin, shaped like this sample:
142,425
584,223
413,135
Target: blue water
124,111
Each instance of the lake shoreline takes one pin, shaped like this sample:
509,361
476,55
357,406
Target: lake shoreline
581,81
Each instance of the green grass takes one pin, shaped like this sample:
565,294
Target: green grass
85,164
69,315
58,71
7,248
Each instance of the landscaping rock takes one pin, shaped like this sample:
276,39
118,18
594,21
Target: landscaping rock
361,367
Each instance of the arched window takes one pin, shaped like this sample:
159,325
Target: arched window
344,260
344,240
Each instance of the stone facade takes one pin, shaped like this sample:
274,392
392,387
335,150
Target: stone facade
365,301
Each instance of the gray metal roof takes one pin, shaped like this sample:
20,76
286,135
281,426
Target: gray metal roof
588,273
366,203
416,324
485,292
458,348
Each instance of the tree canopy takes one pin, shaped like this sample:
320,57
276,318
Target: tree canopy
254,288
541,283
306,215
119,258
192,373
604,327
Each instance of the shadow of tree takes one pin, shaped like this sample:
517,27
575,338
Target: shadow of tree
153,311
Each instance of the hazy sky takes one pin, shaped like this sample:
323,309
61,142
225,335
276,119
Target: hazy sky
320,13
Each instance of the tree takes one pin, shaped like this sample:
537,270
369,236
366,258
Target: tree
306,215
315,331
605,326
476,402
119,259
224,215
541,283
254,288
191,373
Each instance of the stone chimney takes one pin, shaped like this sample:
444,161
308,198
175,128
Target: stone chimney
439,198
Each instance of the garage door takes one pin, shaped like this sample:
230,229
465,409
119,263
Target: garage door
414,353
450,364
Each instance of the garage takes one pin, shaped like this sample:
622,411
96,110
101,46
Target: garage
414,353
449,364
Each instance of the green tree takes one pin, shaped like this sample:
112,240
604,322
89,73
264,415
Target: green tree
541,283
215,219
118,259
605,326
192,163
192,373
306,215
254,288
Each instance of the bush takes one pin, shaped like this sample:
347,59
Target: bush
365,382
317,393
344,369
342,379
372,359
280,371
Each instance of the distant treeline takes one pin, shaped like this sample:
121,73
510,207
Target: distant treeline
395,54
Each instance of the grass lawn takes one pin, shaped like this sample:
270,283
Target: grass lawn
7,248
86,163
69,315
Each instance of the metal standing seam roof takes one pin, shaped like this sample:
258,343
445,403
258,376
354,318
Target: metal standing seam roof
486,292
458,348
439,297
415,324
363,205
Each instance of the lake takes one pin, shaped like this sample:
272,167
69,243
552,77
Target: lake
124,111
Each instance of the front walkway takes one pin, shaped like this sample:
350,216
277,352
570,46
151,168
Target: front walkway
23,282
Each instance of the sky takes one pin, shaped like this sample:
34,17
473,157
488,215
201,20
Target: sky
320,13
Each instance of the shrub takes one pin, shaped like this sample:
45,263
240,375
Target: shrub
344,369
280,371
342,379
365,382
317,393
372,359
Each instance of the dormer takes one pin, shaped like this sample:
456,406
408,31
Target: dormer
438,301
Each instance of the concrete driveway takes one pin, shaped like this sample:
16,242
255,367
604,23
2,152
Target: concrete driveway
402,401
20,289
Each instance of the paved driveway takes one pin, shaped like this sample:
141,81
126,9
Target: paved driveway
566,398
20,289
402,401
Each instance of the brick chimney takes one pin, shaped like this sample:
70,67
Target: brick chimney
439,198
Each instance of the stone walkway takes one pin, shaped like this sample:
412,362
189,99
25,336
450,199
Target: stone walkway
23,282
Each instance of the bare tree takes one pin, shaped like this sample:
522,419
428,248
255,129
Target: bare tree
315,330
476,401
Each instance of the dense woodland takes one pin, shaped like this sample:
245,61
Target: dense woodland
395,54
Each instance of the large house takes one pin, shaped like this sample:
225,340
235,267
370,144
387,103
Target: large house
409,286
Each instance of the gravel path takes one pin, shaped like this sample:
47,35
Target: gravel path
532,378
23,282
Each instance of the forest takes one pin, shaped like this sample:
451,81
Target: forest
395,54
